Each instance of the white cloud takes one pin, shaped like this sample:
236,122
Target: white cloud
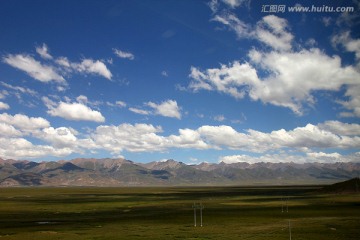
187,138
214,5
93,67
242,29
61,137
19,89
63,61
164,73
319,157
353,104
219,118
43,51
123,54
307,137
6,130
82,99
14,128
308,70
20,148
133,138
4,106
73,111
168,108
243,158
272,31
139,111
327,21
234,3
144,137
3,94
35,69
62,141
54,69
292,79
340,128
120,103
350,44
23,122
229,80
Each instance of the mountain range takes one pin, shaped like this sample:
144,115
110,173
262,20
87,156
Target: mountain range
122,172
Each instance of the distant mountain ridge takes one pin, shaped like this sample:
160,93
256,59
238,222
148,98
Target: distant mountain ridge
122,172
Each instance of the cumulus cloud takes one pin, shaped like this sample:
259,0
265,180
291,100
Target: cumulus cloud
319,157
55,68
300,138
133,138
123,54
292,80
219,118
21,148
4,106
309,142
92,67
23,122
226,79
7,130
61,137
82,99
188,138
120,103
43,51
139,111
168,108
61,141
214,5
164,73
272,31
353,102
76,111
340,128
350,44
63,61
143,138
288,78
14,129
33,68
19,89
234,3
241,29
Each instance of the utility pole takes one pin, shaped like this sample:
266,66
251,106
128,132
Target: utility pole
289,230
194,207
287,206
201,207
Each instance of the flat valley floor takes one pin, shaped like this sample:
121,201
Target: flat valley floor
168,213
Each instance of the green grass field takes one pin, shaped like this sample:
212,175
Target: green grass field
167,213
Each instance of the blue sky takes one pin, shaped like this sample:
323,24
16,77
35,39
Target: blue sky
194,81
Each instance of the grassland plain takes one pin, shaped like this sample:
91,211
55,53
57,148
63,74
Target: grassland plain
167,213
